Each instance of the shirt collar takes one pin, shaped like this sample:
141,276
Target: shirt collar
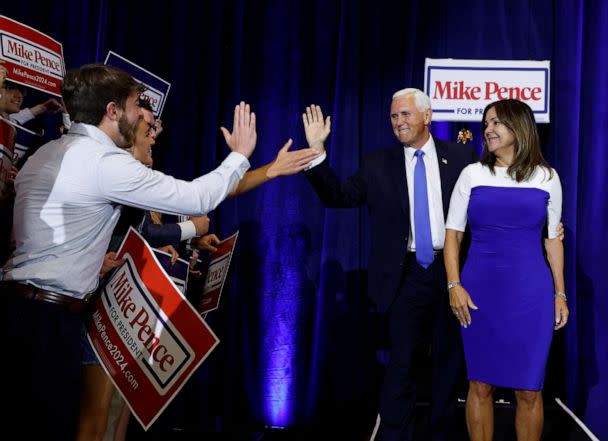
428,148
91,131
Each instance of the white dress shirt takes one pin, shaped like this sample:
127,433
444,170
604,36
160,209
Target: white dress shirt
433,185
69,196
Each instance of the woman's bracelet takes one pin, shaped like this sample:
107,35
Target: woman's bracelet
561,294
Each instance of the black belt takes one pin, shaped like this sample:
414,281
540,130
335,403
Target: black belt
73,304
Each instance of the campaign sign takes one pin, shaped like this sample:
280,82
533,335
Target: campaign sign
32,58
461,89
216,275
148,337
157,89
7,147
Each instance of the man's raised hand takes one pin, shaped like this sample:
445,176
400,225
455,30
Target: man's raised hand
243,137
316,129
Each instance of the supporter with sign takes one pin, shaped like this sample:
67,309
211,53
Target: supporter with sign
97,388
503,300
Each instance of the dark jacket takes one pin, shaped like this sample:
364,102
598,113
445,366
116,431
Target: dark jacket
382,185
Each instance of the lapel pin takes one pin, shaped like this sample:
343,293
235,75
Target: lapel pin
464,136
445,161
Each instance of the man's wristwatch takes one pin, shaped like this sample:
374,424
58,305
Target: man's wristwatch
454,285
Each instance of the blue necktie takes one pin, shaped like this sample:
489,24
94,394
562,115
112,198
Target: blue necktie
422,220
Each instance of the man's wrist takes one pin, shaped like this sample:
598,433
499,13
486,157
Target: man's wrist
318,146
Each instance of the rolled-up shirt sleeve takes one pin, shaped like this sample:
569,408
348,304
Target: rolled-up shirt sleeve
124,180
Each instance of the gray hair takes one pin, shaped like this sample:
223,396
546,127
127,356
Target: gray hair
423,102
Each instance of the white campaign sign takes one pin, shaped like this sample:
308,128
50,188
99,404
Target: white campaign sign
461,89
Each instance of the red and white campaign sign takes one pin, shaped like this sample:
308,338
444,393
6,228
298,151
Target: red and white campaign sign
216,275
31,57
147,336
461,89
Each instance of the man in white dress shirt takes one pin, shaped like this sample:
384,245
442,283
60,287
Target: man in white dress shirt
69,198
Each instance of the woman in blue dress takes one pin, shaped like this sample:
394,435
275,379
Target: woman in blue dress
507,299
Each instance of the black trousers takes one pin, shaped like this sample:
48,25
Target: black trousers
41,368
420,314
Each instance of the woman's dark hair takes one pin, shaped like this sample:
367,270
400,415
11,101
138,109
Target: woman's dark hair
145,104
519,119
88,90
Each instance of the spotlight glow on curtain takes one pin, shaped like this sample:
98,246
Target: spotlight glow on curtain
285,302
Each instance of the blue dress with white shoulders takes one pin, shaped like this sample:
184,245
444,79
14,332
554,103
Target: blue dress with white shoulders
506,275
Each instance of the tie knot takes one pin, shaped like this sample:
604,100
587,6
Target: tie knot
419,153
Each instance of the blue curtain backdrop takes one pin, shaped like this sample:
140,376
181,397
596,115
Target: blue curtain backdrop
299,338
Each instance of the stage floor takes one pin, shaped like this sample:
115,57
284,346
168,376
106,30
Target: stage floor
559,426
